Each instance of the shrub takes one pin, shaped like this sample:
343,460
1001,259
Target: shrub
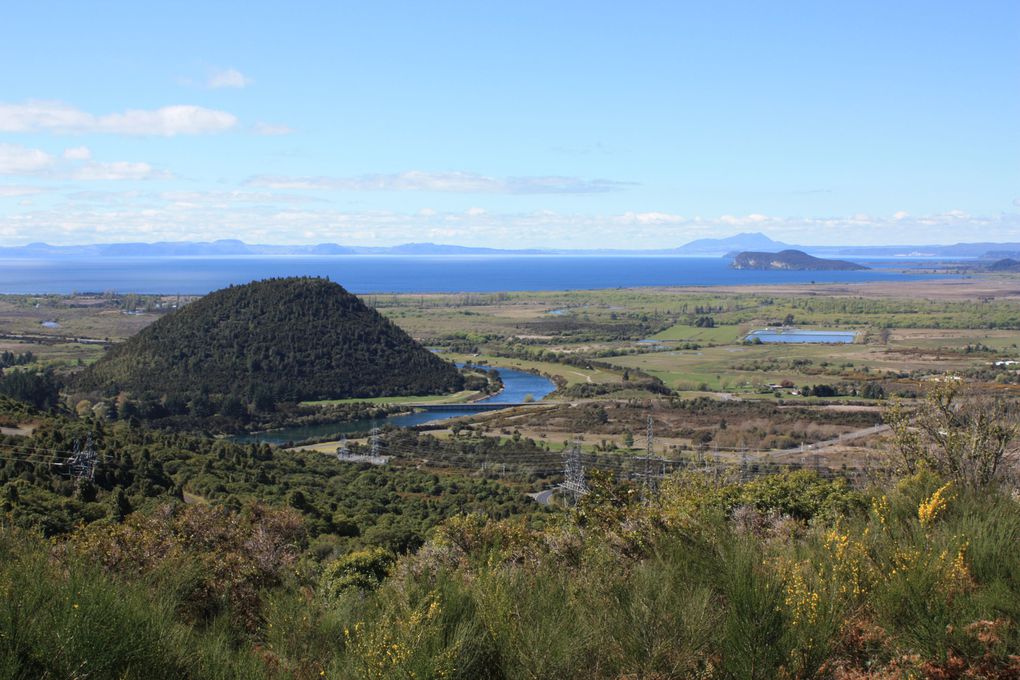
359,570
961,438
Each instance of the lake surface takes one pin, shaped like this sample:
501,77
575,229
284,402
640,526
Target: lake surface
403,274
517,386
802,336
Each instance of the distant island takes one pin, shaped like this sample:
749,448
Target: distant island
791,260
1007,264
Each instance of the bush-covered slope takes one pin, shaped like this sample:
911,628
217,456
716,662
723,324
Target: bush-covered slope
287,339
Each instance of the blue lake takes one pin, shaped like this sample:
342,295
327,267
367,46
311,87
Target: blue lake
803,336
517,387
405,274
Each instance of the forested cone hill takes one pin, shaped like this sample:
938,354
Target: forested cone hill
277,340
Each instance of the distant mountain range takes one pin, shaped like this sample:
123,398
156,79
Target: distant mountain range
709,247
706,247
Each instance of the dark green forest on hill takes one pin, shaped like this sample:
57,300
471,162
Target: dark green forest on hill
278,340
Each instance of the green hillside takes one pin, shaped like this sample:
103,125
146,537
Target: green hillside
284,340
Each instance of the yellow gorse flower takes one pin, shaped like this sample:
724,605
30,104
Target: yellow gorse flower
849,568
930,508
800,600
880,506
383,650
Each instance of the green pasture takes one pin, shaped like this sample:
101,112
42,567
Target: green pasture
716,336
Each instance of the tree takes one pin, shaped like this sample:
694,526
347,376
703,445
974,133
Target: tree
120,506
201,406
233,407
963,437
38,388
873,390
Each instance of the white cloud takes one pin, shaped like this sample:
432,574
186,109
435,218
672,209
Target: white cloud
75,164
231,198
16,191
117,170
78,153
474,212
443,182
228,77
168,121
271,129
645,218
20,160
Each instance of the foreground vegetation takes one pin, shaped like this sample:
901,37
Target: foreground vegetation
298,566
785,577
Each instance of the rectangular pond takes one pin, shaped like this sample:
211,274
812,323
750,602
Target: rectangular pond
800,336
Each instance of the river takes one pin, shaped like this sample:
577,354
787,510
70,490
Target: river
517,387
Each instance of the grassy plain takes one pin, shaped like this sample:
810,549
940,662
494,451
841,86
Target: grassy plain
908,332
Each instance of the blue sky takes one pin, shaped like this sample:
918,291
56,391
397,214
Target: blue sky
578,124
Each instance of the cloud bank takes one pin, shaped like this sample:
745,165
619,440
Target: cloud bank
443,182
168,121
268,217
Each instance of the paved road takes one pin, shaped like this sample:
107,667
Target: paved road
54,338
543,497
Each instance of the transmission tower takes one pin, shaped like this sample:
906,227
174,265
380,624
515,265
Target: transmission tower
82,463
649,478
342,452
375,442
573,472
